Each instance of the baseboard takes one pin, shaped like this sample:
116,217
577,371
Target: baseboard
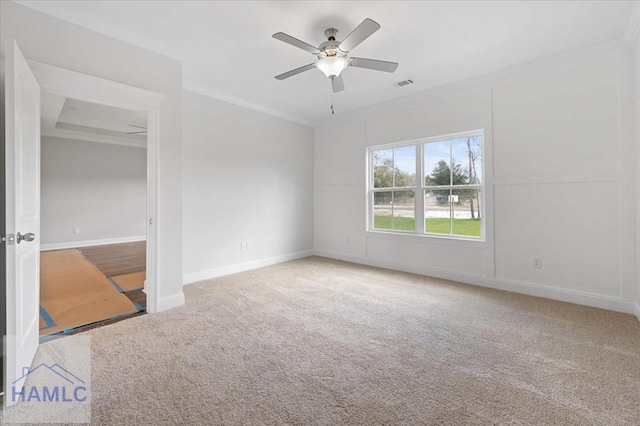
241,267
169,302
636,307
87,243
530,289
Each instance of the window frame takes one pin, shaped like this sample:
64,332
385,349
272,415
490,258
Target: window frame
420,187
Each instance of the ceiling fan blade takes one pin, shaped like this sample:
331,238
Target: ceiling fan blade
297,43
373,64
360,34
295,71
337,83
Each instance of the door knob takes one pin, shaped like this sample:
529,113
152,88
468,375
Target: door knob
29,236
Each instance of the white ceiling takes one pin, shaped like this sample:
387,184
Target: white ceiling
228,51
73,119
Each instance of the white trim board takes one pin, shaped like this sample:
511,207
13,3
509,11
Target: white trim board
88,243
637,310
241,267
90,137
76,85
529,289
170,302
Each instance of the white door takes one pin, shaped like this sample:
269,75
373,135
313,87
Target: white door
22,144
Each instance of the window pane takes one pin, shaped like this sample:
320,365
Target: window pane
437,211
404,213
476,150
383,168
467,160
382,210
437,156
404,161
466,212
460,161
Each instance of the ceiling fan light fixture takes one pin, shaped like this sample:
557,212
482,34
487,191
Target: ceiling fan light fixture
332,66
334,55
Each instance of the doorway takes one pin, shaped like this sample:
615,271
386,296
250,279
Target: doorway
93,196
25,81
82,87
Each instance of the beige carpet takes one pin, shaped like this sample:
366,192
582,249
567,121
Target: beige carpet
317,341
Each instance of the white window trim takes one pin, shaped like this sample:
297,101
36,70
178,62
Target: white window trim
420,187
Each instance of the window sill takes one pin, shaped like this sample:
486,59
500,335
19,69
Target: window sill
428,238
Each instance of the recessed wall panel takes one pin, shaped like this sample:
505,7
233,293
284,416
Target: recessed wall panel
573,228
565,122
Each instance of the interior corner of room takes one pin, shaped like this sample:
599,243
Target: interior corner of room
250,204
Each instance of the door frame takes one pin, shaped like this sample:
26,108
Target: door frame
88,88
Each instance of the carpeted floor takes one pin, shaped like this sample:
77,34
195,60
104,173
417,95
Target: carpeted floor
317,341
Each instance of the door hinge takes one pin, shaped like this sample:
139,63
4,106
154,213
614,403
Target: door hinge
150,221
9,239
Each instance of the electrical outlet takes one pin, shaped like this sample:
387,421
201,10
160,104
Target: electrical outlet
243,246
537,262
76,230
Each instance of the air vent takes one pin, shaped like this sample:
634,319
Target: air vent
404,82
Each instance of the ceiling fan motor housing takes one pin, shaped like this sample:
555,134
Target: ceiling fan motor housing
330,47
331,34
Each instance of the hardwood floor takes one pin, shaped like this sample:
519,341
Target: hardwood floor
137,296
118,259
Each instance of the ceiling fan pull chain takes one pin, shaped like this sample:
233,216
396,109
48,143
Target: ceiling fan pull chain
333,112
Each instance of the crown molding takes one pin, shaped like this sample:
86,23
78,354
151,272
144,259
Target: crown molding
632,29
205,91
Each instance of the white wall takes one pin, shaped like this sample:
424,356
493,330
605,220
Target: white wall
99,188
49,40
248,177
559,178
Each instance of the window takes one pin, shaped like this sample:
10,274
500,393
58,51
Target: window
433,186
394,183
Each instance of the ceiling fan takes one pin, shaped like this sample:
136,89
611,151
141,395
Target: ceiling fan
333,55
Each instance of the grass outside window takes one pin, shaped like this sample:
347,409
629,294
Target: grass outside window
462,227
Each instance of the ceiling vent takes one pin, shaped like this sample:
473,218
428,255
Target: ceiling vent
404,82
